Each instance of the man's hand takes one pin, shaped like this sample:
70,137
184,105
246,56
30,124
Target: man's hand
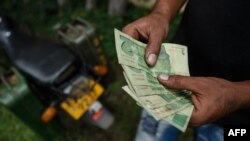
212,97
151,29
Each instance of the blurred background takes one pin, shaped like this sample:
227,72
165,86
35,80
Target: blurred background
35,109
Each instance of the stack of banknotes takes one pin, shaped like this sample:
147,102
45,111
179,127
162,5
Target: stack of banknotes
174,106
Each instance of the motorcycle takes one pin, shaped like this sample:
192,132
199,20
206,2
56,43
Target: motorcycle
60,77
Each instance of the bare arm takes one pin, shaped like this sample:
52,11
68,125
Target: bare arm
168,8
244,93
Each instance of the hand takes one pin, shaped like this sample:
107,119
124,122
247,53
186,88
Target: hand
212,97
151,29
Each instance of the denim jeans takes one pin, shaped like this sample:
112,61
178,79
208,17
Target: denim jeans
151,130
209,132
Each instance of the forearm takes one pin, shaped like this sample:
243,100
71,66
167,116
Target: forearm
168,8
243,93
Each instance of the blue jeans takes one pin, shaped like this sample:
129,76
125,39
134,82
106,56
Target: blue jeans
151,130
209,132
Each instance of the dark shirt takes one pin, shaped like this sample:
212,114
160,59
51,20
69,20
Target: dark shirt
217,33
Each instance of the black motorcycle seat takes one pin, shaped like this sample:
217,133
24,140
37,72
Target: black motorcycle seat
41,60
44,61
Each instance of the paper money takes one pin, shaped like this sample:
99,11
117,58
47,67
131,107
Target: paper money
174,106
139,77
178,119
171,60
135,77
153,98
153,104
178,58
155,101
129,83
142,90
159,112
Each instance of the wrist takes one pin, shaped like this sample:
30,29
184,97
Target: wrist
162,9
243,93
168,8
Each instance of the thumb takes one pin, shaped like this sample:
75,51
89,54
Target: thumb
178,82
153,47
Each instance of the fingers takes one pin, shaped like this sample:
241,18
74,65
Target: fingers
186,83
195,121
148,30
153,47
154,42
178,82
131,31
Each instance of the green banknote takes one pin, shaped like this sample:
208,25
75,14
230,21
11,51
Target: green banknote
129,83
165,110
144,85
142,90
155,100
174,106
139,77
171,60
179,118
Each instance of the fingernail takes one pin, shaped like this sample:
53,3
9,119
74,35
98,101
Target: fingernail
163,77
151,59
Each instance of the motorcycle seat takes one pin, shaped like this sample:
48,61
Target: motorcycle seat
41,60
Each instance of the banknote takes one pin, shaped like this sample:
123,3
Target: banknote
174,106
151,101
142,83
172,58
142,90
165,110
155,100
178,119
139,77
129,83
178,58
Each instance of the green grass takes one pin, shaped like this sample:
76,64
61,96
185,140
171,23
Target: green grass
42,16
12,129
